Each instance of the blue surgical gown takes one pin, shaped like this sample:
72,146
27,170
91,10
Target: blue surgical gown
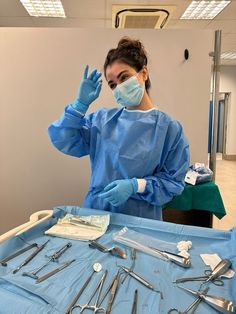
124,144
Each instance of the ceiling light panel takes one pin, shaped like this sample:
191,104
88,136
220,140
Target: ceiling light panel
228,55
204,10
46,8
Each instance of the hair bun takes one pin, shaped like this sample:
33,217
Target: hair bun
127,42
133,47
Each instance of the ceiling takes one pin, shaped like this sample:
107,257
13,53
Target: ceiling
98,14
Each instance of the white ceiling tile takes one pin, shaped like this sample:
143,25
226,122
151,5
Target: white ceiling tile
190,24
229,12
108,23
12,8
16,22
171,24
84,8
69,22
225,25
229,38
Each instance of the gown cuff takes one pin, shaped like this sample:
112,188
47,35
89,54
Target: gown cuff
141,185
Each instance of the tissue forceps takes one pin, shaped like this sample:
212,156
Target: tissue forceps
96,307
212,276
192,306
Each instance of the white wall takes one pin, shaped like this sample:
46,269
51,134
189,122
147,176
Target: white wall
40,74
228,84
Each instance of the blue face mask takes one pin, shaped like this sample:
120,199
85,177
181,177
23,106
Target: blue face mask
129,93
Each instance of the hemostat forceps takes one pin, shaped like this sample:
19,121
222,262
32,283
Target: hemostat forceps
213,275
192,306
96,307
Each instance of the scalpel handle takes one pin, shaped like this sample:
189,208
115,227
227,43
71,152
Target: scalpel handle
53,272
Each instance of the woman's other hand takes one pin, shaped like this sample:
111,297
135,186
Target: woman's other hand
89,90
119,191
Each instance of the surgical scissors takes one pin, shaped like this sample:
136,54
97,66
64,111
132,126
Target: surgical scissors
96,307
192,306
212,276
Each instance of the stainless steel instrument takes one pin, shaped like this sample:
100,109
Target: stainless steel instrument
96,268
175,258
220,304
115,250
135,302
133,257
213,275
192,306
53,272
4,261
52,258
113,287
28,259
140,279
97,292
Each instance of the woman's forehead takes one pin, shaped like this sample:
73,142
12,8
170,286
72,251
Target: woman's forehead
114,69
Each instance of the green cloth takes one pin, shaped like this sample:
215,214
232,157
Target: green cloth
205,196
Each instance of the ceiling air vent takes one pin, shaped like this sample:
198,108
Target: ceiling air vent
141,16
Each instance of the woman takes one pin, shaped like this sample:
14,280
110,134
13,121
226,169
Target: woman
139,155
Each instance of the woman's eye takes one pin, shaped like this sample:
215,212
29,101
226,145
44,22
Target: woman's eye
124,77
112,86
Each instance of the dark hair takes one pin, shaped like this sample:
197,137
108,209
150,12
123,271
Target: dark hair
131,52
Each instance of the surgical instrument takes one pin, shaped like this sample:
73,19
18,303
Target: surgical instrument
220,304
140,242
4,261
192,306
135,302
79,221
213,275
175,258
140,279
28,259
96,268
53,258
115,250
113,287
133,257
53,272
97,291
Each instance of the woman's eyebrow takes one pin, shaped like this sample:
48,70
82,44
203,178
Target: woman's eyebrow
118,76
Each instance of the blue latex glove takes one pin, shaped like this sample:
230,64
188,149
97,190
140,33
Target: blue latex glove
90,87
119,191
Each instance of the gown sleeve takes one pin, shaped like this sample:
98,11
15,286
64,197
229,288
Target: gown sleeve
71,133
167,180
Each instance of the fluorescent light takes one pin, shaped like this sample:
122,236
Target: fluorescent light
228,55
204,10
49,8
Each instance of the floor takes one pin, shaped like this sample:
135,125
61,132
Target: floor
226,181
